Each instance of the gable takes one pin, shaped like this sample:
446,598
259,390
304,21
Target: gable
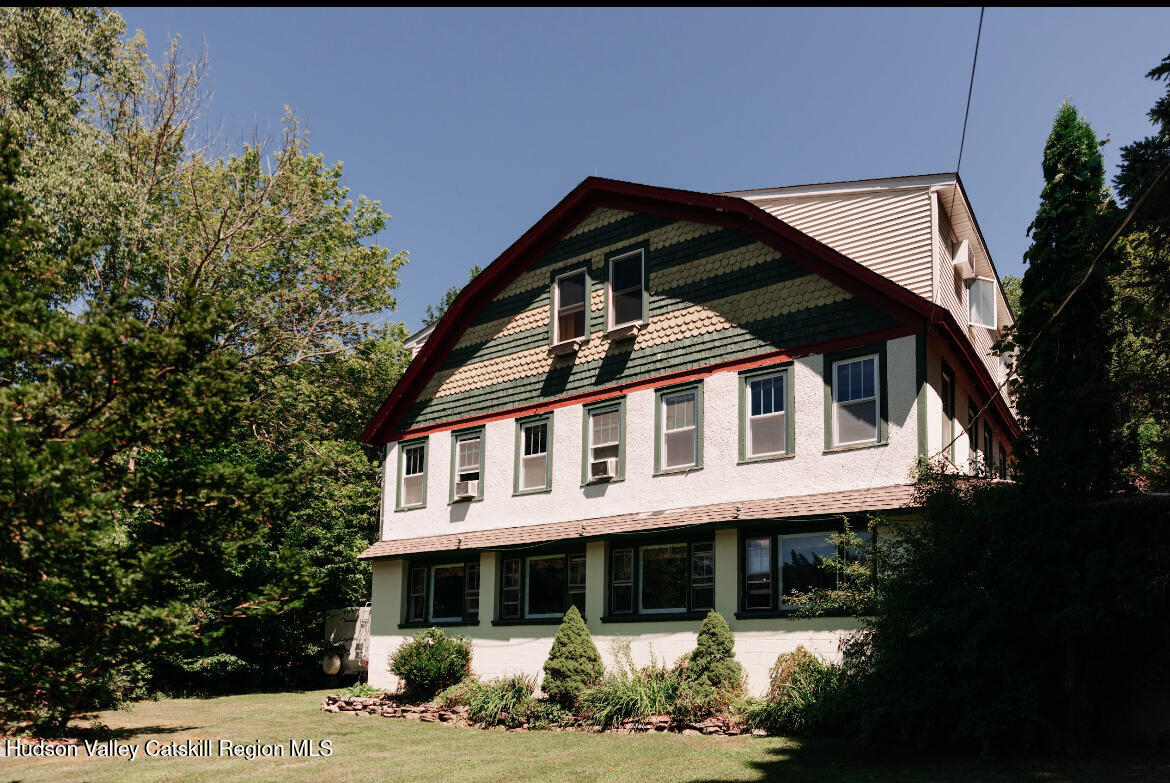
715,293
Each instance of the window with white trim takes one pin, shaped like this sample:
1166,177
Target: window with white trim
776,566
626,277
570,295
855,401
767,416
412,488
947,392
541,586
443,593
662,578
467,457
533,456
605,433
679,429
981,302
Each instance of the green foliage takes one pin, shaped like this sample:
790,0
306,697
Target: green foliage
631,691
431,661
711,677
1012,289
190,350
504,700
1002,622
573,662
435,312
853,569
363,690
1063,361
805,697
1141,303
461,693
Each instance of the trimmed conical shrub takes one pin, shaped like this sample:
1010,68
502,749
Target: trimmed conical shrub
713,662
573,662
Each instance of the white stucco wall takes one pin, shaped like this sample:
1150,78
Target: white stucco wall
720,479
500,650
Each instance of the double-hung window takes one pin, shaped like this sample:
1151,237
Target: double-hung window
679,435
533,455
626,288
541,587
776,566
467,463
412,479
988,447
855,401
662,578
765,417
570,306
443,592
947,392
603,442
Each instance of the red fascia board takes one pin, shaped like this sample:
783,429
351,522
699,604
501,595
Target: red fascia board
594,192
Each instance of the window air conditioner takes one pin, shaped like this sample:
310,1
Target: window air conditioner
603,469
466,489
963,261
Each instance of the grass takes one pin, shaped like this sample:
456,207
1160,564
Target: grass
382,749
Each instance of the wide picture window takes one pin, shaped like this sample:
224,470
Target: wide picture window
541,587
666,578
443,593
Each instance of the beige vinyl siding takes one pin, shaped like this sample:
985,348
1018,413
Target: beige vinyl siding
889,232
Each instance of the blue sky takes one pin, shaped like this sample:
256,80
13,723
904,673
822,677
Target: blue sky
469,125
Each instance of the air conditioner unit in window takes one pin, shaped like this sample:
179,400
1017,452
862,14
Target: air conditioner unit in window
603,469
963,260
465,490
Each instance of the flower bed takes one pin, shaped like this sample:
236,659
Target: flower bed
389,706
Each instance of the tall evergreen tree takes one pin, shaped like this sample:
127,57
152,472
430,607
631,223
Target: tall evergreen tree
1066,395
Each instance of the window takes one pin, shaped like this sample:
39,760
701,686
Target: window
988,446
981,302
412,481
570,295
444,593
1002,463
764,418
775,566
947,391
467,460
533,467
662,578
679,435
855,401
972,427
602,439
626,275
541,586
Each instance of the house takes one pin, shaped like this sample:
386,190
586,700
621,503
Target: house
658,402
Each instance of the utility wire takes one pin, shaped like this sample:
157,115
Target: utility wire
1088,273
970,89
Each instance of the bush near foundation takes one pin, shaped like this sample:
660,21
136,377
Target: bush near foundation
711,677
630,691
805,697
505,700
573,662
431,662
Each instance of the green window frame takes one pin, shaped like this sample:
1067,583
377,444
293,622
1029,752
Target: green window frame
763,560
625,254
625,591
831,361
554,300
683,421
746,379
525,437
456,437
587,411
514,594
419,593
407,460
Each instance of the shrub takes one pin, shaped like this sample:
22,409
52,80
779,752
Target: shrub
573,662
502,700
363,689
631,692
805,696
711,675
543,715
431,661
461,693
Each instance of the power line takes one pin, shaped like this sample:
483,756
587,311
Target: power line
970,89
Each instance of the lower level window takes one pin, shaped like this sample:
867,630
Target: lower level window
447,592
662,578
776,566
541,586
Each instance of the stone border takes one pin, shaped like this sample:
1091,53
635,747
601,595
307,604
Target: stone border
388,706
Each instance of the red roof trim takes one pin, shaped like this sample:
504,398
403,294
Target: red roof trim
594,192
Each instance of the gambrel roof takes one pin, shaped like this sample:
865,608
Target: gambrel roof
912,311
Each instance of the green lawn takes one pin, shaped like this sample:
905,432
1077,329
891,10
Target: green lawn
384,749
